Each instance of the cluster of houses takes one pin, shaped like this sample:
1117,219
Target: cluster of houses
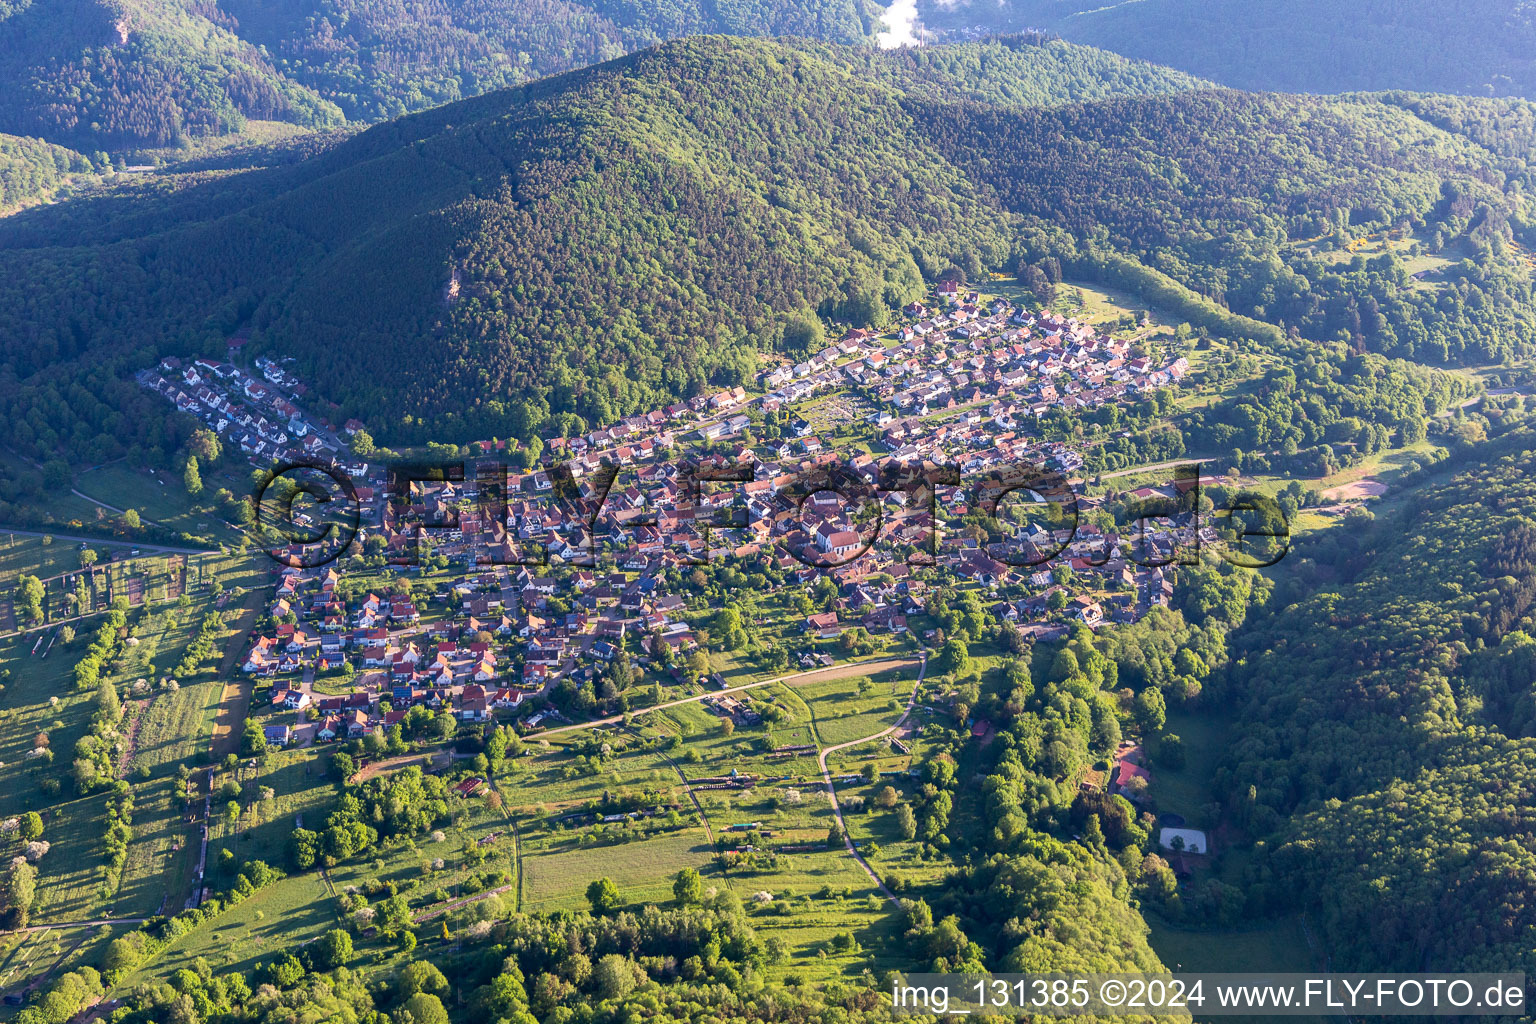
455,665
532,607
259,416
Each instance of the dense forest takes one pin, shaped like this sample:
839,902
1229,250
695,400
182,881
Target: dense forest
32,170
159,75
1385,717
382,60
1213,188
1474,47
106,75
638,231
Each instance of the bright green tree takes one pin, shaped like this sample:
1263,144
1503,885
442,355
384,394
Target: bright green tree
604,896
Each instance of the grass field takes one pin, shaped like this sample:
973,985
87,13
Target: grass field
301,792
160,497
70,876
556,877
29,960
1189,788
281,916
1281,946
848,709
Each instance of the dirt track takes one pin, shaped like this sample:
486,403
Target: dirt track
373,769
235,701
826,777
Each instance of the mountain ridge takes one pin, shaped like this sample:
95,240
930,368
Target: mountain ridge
157,75
637,231
1469,47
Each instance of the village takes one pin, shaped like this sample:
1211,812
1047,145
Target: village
555,573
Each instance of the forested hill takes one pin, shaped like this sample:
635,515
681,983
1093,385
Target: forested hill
1472,47
159,74
1386,719
32,170
111,75
128,74
637,231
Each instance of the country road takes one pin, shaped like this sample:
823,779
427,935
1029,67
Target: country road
142,546
817,675
1151,467
98,501
1475,399
826,775
74,924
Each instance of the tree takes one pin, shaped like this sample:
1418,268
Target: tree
422,1008
804,332
420,976
65,998
131,519
1065,665
204,445
604,896
253,742
729,629
362,444
614,976
955,658
332,950
886,798
304,848
56,475
20,891
31,826
28,598
109,707
395,914
1151,710
688,887
906,821
191,478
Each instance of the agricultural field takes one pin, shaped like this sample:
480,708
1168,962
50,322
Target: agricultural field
286,913
28,960
848,709
163,727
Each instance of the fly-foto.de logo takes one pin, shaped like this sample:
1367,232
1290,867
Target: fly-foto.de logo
826,516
